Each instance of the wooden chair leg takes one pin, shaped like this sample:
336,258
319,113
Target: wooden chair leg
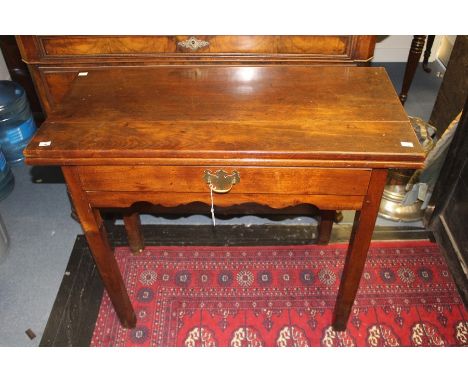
96,235
325,226
364,222
133,228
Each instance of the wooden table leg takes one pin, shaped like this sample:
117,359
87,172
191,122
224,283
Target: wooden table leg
361,235
427,53
327,217
96,236
133,228
414,55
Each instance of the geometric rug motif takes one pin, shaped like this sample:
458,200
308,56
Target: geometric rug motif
284,296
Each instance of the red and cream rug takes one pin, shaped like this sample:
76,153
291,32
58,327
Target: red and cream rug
284,296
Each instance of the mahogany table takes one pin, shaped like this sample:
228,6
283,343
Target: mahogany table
272,135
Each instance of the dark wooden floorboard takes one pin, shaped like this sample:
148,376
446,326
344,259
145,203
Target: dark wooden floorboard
74,313
73,316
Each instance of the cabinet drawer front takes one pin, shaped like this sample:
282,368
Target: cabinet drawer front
54,46
252,180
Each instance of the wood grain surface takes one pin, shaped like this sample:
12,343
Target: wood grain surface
269,112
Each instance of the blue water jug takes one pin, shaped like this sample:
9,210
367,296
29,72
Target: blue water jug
17,125
7,181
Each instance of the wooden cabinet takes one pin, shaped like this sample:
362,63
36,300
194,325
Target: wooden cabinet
449,221
54,61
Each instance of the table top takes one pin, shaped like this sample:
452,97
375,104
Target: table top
306,115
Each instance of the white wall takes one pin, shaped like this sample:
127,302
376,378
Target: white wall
445,49
395,48
4,75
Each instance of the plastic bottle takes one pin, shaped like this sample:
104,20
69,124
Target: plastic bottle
17,125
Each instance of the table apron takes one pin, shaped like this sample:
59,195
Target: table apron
125,199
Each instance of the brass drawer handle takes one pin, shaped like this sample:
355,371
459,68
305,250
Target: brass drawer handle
193,43
221,182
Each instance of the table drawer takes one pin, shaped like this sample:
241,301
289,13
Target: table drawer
249,180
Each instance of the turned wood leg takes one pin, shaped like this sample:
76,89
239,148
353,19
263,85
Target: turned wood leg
327,218
414,55
427,53
133,228
96,235
361,235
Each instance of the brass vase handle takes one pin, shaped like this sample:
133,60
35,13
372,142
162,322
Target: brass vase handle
193,43
221,182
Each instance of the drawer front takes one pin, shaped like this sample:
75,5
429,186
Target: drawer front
56,46
249,180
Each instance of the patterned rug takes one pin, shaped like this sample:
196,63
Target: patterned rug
284,296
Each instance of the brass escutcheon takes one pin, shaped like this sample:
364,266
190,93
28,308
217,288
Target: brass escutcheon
193,43
221,182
